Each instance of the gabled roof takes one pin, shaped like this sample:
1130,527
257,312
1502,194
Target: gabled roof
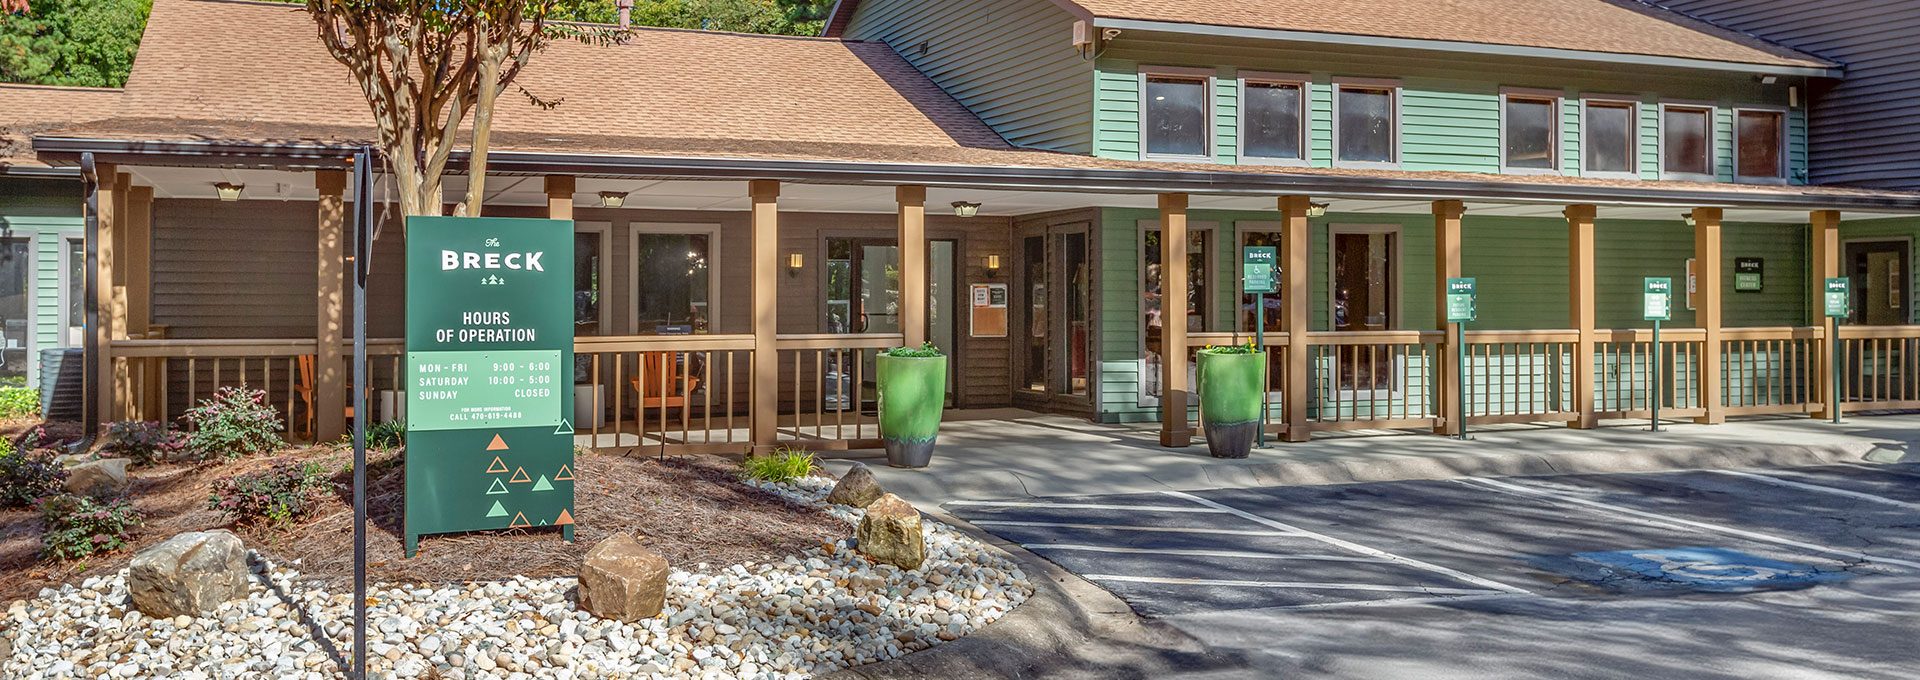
1622,27
29,109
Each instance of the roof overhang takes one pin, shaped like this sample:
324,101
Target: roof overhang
1003,177
1833,71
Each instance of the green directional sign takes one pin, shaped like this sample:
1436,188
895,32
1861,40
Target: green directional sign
1460,300
1257,269
489,351
1657,301
1839,297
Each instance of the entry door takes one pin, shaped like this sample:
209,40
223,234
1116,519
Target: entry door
863,294
1880,286
1055,300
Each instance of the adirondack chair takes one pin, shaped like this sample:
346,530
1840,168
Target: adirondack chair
304,390
655,395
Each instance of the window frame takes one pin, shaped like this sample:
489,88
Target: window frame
1780,159
68,239
1713,141
1209,305
602,230
1587,101
1395,319
1207,79
1554,130
1393,88
710,229
1302,81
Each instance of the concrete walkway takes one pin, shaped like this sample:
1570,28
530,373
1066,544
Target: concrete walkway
1009,453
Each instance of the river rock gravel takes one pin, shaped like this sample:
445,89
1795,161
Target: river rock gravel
813,613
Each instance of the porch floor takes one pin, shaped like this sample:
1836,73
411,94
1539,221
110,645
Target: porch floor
1010,453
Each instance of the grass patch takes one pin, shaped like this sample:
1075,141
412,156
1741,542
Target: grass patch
782,466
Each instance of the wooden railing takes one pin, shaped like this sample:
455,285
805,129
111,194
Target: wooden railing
1627,370
1373,379
827,394
1880,368
664,394
164,378
1520,376
1769,370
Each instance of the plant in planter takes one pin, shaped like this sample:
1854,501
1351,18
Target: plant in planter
913,390
1231,391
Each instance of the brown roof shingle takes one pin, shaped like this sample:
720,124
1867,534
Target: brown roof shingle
26,110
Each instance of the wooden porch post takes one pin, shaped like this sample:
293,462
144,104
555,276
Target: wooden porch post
1825,228
111,199
1580,307
912,202
1706,303
137,394
1294,246
766,313
1446,251
1173,321
330,345
560,190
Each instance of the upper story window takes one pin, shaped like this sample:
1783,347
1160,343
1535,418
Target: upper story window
1366,124
1272,118
1686,141
1174,113
1529,131
1610,138
1760,145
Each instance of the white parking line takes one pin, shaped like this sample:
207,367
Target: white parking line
1081,506
1224,554
1351,546
1394,602
1292,585
1669,521
1122,527
1776,481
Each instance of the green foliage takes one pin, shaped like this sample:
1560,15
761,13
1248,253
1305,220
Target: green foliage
72,42
782,466
782,17
1248,348
279,494
78,526
391,434
925,351
27,474
234,423
17,402
145,441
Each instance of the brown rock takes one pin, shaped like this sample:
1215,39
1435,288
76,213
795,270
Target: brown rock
891,533
104,478
856,488
189,574
622,580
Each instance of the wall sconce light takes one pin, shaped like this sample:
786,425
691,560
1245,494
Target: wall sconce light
965,209
1688,216
613,199
794,262
993,266
1317,210
228,191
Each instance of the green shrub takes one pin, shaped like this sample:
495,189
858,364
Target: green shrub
27,474
16,402
784,465
925,351
145,441
78,526
391,434
278,494
234,423
1248,348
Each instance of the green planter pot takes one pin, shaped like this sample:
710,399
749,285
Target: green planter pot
913,391
1231,387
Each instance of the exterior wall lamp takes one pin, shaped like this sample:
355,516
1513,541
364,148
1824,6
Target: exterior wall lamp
1317,209
993,266
613,199
228,191
794,261
1688,216
965,209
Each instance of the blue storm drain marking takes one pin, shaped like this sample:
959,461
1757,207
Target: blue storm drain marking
1701,569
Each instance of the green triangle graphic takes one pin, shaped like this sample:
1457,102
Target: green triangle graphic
543,484
498,510
497,489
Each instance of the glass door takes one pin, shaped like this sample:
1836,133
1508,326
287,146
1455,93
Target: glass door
1054,295
1194,311
862,295
1880,286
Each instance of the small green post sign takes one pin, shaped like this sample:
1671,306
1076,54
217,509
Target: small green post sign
1257,269
1658,299
1460,300
489,375
1839,297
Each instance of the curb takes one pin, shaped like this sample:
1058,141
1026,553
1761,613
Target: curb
1530,464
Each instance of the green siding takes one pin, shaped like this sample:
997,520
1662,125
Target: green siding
1450,125
47,212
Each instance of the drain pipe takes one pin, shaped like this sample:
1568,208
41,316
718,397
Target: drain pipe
90,354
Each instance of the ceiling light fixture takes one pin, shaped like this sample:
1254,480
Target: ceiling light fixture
1317,209
965,209
613,199
228,191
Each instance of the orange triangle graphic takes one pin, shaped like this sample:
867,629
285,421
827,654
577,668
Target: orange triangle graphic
519,521
565,518
564,475
497,444
519,475
497,467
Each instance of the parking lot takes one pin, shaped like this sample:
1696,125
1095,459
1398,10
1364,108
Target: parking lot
1802,573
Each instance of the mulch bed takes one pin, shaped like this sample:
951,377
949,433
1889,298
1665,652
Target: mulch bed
688,509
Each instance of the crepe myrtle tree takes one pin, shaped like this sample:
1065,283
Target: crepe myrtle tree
428,66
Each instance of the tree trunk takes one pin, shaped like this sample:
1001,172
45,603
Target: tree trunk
490,86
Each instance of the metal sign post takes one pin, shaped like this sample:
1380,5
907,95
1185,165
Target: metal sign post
1657,307
362,264
1461,308
1259,277
1839,302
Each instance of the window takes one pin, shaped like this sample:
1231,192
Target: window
1686,141
1195,312
1610,137
16,328
1529,125
1364,277
1175,115
73,324
673,279
1270,120
1365,125
589,278
1759,136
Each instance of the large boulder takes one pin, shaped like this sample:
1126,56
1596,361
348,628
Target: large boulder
189,574
104,478
890,533
622,580
856,488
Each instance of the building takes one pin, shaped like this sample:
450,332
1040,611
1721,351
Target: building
1027,183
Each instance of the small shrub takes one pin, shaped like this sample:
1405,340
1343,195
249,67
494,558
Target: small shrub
78,526
234,423
925,351
279,494
784,465
391,434
145,441
37,437
16,402
1248,348
27,474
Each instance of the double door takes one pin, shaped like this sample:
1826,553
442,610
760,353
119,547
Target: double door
1053,298
863,296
